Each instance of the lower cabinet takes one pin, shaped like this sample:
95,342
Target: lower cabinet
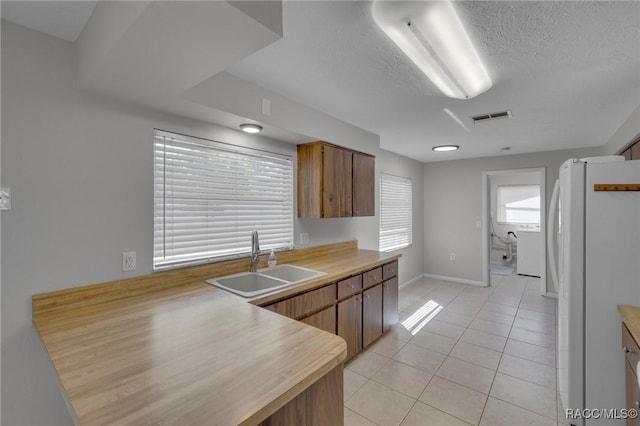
324,320
320,404
371,315
350,324
358,308
389,303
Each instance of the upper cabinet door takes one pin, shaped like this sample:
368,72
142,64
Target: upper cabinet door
635,151
364,191
337,182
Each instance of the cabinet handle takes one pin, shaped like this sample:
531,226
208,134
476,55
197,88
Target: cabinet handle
351,286
637,404
366,296
626,350
358,299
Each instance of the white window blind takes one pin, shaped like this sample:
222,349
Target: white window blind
518,204
209,196
396,218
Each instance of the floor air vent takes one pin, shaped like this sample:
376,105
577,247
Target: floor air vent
492,116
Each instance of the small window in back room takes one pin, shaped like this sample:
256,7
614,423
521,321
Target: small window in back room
518,204
396,219
209,196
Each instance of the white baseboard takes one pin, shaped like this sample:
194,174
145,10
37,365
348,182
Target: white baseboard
455,280
552,295
411,281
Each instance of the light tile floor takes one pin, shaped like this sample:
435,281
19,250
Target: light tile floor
460,355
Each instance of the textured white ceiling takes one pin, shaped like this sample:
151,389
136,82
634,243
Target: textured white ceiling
62,19
569,71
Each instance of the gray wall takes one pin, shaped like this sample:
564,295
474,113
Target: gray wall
80,167
453,207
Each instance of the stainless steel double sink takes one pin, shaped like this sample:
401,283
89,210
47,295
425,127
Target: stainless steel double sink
251,284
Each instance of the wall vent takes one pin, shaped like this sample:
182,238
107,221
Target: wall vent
493,116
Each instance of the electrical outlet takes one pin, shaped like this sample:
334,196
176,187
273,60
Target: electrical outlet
129,261
304,238
5,198
452,256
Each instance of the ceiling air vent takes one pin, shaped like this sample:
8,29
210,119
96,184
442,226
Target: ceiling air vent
493,116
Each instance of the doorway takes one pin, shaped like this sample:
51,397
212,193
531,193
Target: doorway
514,224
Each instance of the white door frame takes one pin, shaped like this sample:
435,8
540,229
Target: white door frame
486,216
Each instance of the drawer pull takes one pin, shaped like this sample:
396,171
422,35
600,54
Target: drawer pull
358,299
626,350
350,285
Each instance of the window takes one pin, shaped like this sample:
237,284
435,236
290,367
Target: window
395,212
209,196
518,204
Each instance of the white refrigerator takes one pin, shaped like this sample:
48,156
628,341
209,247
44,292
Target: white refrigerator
598,268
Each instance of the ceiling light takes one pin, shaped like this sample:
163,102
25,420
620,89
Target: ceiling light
432,36
445,148
251,128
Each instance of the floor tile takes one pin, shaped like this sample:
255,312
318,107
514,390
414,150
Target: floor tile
467,374
454,318
419,357
463,308
352,382
444,329
434,342
422,414
352,418
486,340
525,394
533,337
400,332
500,413
490,327
539,354
495,317
536,315
402,377
457,400
540,307
501,309
535,325
528,370
388,345
476,355
367,363
380,404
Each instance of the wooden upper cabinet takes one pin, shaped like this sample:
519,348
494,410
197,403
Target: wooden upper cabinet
337,182
635,151
364,191
334,181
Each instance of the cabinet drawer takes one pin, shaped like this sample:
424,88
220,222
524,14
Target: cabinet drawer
372,277
632,352
349,286
389,270
306,303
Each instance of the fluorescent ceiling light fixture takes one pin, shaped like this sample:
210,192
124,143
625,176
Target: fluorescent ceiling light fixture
251,128
431,35
445,148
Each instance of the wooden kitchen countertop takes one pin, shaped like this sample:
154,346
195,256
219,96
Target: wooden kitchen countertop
631,317
187,353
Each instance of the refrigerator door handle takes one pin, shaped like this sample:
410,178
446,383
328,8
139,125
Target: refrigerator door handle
551,247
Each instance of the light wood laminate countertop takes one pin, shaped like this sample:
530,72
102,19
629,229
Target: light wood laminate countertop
187,354
631,317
